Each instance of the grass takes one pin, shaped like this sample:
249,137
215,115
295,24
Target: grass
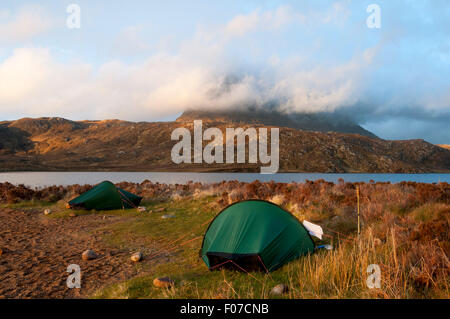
28,204
340,273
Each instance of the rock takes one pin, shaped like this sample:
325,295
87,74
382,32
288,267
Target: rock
335,218
163,282
162,209
89,255
279,289
48,211
141,209
136,256
377,242
168,216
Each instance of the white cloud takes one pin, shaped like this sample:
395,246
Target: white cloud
25,24
257,20
283,16
34,84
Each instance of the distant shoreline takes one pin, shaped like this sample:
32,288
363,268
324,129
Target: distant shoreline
51,178
211,170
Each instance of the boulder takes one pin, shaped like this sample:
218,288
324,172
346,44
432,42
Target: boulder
136,256
89,255
163,282
279,289
141,209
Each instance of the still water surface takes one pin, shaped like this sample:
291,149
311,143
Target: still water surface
40,179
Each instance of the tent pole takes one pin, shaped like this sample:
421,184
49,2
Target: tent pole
357,199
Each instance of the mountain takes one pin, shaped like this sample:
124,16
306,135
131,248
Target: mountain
320,122
56,144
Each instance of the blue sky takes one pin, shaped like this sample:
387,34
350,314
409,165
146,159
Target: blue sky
150,60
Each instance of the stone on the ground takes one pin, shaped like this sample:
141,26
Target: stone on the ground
162,209
279,289
163,282
141,209
377,242
136,256
48,211
89,255
168,216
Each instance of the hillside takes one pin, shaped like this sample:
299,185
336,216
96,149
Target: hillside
447,147
58,144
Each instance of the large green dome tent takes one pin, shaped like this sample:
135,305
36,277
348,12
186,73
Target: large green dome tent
254,235
105,196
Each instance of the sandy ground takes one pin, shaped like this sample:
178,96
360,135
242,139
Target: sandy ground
37,251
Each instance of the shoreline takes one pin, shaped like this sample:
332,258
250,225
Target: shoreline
212,170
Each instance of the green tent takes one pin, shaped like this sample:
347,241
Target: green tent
105,196
254,235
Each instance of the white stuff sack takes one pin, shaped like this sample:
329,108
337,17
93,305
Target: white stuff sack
313,229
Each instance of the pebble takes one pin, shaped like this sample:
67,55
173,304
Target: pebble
162,209
279,289
48,211
141,209
136,256
163,282
89,255
168,216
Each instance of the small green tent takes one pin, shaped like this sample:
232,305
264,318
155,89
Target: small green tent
105,196
254,235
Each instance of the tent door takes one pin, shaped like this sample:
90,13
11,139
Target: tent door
248,262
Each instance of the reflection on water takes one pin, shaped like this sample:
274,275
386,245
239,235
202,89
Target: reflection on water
39,179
